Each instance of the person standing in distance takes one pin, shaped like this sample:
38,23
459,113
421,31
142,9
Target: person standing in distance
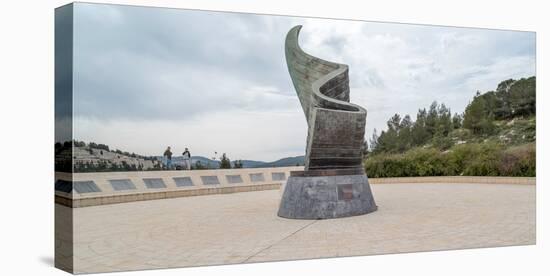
187,159
168,157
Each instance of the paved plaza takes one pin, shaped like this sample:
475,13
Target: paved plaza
244,227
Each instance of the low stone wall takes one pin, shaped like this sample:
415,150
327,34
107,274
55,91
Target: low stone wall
113,199
91,189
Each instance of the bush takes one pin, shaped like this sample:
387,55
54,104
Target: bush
415,162
519,161
442,142
476,159
426,162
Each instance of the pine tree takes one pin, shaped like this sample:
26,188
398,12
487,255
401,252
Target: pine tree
238,164
457,121
225,163
444,122
477,117
431,119
419,133
373,141
404,135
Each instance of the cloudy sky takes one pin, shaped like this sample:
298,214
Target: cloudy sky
146,78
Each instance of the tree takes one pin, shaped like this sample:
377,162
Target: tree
398,137
394,123
432,119
522,97
457,121
373,141
444,122
495,103
504,86
419,133
79,143
442,142
388,140
238,164
477,117
365,148
199,166
114,167
225,163
404,135
103,147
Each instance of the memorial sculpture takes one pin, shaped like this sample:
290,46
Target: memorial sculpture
333,183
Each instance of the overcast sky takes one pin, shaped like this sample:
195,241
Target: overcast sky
146,78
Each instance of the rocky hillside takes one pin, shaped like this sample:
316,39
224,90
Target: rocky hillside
495,135
92,157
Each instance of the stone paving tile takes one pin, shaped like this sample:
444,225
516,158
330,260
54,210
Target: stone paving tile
243,227
420,217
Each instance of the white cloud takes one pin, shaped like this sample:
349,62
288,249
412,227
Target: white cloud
146,78
241,134
397,68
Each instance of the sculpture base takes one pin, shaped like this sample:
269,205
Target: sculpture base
324,197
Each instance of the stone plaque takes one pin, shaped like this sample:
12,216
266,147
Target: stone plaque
257,177
210,180
154,183
345,192
234,178
122,184
82,187
278,176
64,186
183,181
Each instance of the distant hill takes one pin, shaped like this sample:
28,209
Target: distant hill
194,159
92,157
284,162
252,163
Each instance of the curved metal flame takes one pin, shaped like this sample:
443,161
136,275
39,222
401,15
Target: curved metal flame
336,127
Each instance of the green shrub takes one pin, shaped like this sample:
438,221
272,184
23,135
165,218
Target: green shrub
442,142
426,162
519,161
474,159
415,162
480,159
388,165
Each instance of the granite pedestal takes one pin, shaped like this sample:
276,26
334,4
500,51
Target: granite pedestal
325,196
